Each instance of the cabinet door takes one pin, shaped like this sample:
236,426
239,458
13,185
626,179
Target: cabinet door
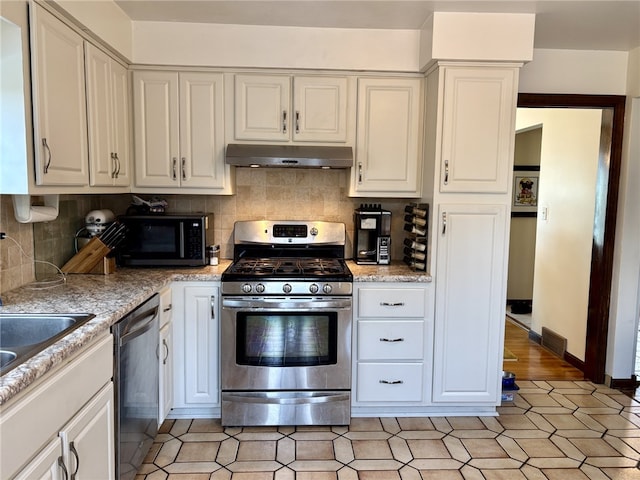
201,385
388,139
60,115
155,112
479,106
166,371
320,109
88,440
46,465
202,131
470,303
121,119
262,107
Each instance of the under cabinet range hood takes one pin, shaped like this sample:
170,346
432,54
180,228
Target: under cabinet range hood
305,156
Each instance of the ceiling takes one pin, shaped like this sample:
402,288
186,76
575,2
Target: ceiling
560,24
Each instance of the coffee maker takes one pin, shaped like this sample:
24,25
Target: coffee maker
372,241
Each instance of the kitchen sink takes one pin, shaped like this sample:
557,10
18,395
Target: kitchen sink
22,335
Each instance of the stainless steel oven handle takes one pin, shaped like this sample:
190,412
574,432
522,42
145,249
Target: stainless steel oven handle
285,303
286,401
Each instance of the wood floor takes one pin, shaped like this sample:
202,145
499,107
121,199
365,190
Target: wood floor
533,361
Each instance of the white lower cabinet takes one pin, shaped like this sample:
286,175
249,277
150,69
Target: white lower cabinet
391,348
165,348
195,337
63,427
470,300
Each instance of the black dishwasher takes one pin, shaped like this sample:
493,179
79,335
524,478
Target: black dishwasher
135,379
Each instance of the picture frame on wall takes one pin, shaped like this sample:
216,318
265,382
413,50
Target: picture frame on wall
526,182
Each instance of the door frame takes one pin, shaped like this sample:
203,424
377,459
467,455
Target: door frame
606,208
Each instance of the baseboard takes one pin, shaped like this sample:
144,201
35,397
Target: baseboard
570,359
625,383
574,361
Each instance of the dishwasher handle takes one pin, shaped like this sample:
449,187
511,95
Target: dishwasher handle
138,325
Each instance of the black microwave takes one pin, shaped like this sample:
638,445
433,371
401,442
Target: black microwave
164,240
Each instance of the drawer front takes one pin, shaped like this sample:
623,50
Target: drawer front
389,382
390,340
383,302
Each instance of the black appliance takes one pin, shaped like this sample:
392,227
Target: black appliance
164,240
372,235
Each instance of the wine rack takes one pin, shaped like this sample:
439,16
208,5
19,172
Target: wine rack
416,220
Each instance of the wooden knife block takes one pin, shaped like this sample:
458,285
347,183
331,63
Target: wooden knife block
90,257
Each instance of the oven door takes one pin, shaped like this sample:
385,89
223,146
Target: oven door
286,343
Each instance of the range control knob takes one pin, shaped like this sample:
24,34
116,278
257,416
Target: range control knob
326,288
246,288
286,288
313,231
260,288
313,288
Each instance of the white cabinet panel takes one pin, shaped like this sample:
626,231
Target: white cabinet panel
469,313
320,109
478,118
389,382
59,103
390,340
386,302
46,465
262,107
388,147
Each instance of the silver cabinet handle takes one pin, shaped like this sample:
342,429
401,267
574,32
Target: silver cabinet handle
166,348
284,121
72,447
117,164
359,172
63,467
213,307
444,222
184,166
167,308
113,165
297,121
174,166
46,165
391,382
387,304
392,340
446,172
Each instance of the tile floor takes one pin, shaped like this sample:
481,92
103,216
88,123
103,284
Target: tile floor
564,430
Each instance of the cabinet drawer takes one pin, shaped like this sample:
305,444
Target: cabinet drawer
389,382
383,302
390,340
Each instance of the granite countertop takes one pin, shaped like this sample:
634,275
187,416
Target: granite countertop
110,297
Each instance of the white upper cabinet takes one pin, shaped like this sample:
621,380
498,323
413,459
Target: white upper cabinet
268,108
108,116
388,147
179,132
59,103
478,117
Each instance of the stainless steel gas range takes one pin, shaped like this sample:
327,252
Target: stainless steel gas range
286,325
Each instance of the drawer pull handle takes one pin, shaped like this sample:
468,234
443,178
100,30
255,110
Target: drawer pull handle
391,382
167,309
392,340
387,304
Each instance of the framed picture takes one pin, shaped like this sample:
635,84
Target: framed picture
525,191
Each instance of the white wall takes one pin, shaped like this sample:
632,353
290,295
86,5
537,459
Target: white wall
194,44
568,170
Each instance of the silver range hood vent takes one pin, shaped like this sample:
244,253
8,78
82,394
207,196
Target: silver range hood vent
305,156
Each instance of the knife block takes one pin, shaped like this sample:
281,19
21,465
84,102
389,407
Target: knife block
88,258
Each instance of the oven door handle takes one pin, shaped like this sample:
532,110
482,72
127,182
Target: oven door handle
328,398
236,303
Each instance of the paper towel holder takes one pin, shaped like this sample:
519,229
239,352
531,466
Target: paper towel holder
27,213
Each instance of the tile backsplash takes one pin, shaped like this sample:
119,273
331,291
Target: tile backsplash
265,193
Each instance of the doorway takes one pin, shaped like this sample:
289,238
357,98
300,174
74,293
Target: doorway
604,219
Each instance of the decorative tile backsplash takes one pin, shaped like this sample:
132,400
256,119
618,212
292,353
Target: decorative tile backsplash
265,193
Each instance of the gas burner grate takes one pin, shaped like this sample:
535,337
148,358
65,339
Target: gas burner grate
288,266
